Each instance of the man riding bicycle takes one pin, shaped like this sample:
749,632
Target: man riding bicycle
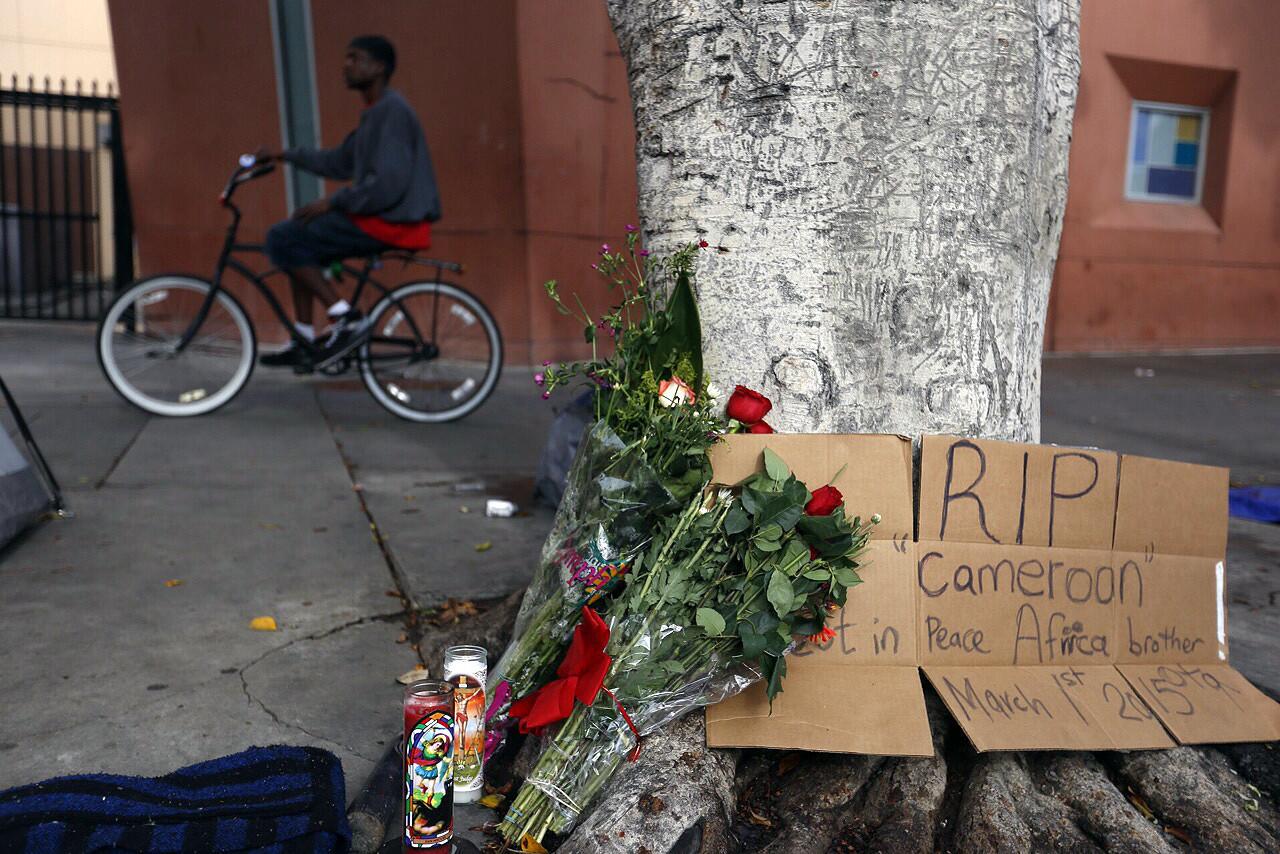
389,204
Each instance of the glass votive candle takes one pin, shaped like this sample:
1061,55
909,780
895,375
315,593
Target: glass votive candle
466,668
428,764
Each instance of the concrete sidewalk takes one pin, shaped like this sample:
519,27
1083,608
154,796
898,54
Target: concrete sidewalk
257,510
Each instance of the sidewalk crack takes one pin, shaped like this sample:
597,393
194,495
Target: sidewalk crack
254,701
115,463
411,606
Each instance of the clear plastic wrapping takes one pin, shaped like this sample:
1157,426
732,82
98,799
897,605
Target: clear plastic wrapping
604,521
671,670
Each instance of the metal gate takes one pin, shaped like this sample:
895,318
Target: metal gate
66,232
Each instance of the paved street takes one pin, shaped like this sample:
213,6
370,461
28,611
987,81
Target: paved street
257,511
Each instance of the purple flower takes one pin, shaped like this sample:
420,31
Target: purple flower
604,248
539,378
643,253
546,394
546,362
630,227
595,266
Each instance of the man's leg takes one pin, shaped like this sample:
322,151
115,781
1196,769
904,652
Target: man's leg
309,284
288,247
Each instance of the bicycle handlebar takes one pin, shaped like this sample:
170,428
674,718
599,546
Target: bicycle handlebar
247,170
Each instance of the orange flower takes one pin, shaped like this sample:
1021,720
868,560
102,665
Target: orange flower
823,636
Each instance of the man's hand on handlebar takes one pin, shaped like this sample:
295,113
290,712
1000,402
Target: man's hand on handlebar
267,155
310,211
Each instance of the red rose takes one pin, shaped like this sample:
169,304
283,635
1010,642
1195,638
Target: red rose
747,406
825,499
760,427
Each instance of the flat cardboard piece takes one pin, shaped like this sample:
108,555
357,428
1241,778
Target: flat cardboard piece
872,472
1171,508
1205,704
859,692
830,708
1047,708
1004,493
995,606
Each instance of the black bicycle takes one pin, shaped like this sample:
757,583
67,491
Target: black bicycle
179,345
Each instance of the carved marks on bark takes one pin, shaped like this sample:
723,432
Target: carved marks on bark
869,168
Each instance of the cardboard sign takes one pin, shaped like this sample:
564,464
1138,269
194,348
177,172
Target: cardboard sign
1058,598
1031,708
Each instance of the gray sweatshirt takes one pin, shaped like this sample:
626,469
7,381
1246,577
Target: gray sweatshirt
387,162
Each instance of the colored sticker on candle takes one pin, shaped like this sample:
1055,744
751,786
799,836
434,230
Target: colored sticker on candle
429,781
468,703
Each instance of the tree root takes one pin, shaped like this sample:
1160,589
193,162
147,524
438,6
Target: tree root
678,797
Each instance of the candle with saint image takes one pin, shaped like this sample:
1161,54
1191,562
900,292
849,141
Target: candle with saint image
428,764
466,668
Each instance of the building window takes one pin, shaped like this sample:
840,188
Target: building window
1166,152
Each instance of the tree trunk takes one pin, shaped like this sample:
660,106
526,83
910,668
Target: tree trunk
882,185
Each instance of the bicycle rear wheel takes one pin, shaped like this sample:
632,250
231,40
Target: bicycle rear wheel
434,353
138,346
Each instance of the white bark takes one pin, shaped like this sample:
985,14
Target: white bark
886,180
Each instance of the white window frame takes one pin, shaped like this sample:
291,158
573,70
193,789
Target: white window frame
1178,109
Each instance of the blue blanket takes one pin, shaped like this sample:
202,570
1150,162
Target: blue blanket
1259,503
284,800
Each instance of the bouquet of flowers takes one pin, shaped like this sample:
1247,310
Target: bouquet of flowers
715,602
641,461
700,591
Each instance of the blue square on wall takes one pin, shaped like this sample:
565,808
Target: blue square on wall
1186,154
1172,182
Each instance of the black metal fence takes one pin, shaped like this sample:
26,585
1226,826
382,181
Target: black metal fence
66,232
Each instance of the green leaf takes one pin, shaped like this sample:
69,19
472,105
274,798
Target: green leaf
772,509
752,641
772,531
796,492
737,520
818,575
710,620
809,626
764,621
776,643
776,669
774,466
797,552
830,535
846,576
767,546
682,336
780,593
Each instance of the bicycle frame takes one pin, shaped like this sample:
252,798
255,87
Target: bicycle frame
227,260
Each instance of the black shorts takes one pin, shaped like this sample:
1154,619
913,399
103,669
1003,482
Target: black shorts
319,242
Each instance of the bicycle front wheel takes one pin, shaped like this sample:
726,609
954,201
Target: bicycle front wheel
434,352
139,348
